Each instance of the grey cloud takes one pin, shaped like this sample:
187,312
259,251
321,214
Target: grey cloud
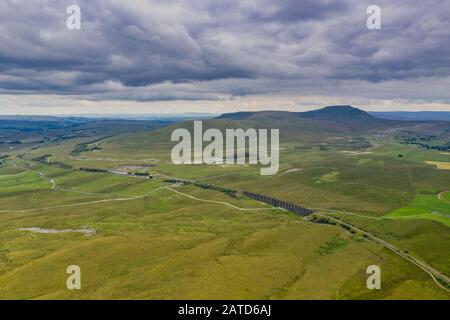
213,50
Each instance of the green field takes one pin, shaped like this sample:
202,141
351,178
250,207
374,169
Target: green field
168,246
425,207
157,240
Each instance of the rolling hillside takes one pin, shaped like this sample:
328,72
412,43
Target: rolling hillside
340,161
331,118
320,126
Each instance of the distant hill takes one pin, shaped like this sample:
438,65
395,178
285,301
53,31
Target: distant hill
352,118
331,118
332,123
238,115
40,129
330,113
338,114
413,116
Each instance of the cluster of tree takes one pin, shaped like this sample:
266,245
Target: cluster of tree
418,143
141,173
45,159
348,228
3,158
87,146
227,191
355,143
11,142
83,148
93,170
323,220
345,226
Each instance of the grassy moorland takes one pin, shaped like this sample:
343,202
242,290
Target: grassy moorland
156,240
165,245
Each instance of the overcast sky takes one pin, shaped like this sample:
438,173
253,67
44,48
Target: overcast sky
168,56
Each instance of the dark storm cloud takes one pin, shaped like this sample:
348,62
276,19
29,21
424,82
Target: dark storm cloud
199,49
288,11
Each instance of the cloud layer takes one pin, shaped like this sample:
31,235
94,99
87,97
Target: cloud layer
217,50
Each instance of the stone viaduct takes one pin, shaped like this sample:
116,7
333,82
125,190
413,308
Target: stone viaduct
299,210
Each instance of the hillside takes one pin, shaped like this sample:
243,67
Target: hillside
344,115
342,126
331,120
318,126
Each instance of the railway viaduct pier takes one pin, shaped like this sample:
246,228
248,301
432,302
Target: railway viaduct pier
299,210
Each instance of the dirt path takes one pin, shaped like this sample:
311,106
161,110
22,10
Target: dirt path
82,203
85,231
440,196
221,202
